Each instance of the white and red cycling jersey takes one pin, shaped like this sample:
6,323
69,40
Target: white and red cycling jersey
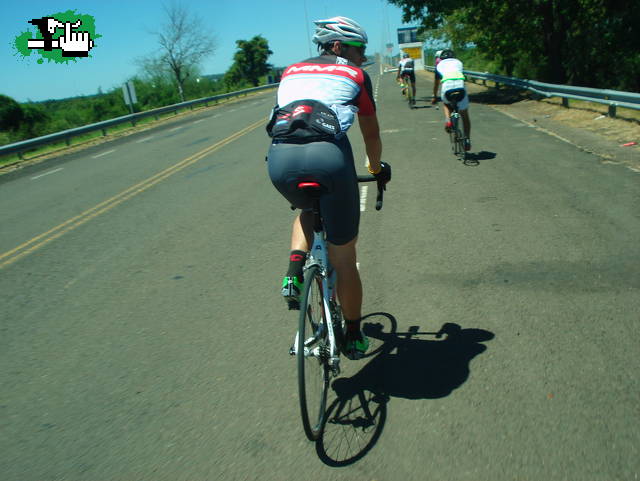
406,65
339,84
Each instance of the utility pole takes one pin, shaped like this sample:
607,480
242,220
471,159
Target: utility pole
306,22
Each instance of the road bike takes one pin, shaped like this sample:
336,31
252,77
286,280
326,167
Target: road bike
455,132
406,80
321,336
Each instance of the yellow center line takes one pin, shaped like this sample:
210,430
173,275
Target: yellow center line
38,241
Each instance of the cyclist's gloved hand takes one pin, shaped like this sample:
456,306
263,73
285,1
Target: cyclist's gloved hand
384,175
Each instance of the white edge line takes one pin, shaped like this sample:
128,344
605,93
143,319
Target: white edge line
47,173
144,140
103,153
363,197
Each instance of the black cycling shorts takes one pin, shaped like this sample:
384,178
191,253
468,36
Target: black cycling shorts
411,75
330,164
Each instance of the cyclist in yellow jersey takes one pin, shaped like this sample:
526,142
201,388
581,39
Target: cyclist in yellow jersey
450,78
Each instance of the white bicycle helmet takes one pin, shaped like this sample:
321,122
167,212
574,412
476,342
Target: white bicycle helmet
338,28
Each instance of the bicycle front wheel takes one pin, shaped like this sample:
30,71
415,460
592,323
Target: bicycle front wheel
313,355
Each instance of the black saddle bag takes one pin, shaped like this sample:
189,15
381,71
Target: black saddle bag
303,121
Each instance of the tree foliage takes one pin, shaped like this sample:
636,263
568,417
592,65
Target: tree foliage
21,121
184,43
11,114
249,62
593,43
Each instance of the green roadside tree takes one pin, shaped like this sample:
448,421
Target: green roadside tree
249,62
11,114
184,43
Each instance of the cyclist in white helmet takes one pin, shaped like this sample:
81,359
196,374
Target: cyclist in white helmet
333,88
450,77
407,73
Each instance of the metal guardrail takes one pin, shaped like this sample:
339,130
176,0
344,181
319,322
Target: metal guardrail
613,98
67,135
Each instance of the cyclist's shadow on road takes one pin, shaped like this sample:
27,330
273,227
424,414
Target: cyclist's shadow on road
410,365
474,158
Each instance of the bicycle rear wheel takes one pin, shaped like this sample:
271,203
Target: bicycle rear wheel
460,152
312,355
453,133
410,94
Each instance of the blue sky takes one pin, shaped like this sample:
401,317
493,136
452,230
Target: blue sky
125,28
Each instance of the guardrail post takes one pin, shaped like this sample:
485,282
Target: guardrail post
67,141
612,110
565,102
104,132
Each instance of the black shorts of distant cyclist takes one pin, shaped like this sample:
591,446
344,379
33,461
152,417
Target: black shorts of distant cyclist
330,164
411,75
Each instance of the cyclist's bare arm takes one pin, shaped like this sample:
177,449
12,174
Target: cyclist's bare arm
436,84
371,136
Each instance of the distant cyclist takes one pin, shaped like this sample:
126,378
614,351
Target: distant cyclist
449,75
406,72
317,101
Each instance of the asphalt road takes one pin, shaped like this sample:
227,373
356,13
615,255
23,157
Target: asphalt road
143,337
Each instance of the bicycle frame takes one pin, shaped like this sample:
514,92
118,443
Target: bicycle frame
320,326
319,256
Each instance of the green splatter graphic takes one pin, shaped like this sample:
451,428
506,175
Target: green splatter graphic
20,43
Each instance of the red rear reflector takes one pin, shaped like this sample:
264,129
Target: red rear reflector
304,185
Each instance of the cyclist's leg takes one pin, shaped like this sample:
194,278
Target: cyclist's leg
409,83
302,232
466,123
284,164
341,214
447,113
466,120
413,84
405,83
349,285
